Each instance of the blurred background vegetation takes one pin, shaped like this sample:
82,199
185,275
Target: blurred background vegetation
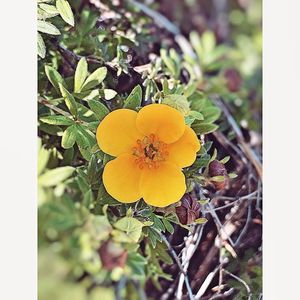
202,57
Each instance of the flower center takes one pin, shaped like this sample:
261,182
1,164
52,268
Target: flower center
149,152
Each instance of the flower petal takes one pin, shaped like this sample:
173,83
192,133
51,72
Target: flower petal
121,178
163,186
117,132
165,122
183,151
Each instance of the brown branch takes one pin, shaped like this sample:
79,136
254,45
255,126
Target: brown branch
54,108
58,110
247,150
176,258
229,228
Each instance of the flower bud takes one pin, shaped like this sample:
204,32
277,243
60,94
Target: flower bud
216,168
188,211
112,255
234,80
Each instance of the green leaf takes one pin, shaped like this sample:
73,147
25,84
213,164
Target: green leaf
153,236
225,160
87,95
200,220
86,114
46,11
65,11
190,89
55,176
188,120
202,161
217,178
169,227
134,99
88,21
175,56
100,227
81,180
50,129
94,171
98,108
157,223
206,147
80,74
196,43
214,155
50,10
47,27
109,94
41,46
232,175
85,139
69,137
137,258
68,156
94,79
211,114
197,115
43,158
148,223
107,158
178,102
54,77
85,152
104,198
81,139
170,64
162,254
88,198
69,99
131,226
208,41
63,214
100,293
203,201
211,59
198,101
57,120
88,134
137,264
203,128
93,126
165,86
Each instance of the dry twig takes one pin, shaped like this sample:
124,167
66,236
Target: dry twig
241,281
177,260
247,150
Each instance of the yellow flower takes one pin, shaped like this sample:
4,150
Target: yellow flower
151,147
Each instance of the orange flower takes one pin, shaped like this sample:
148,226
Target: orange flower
151,147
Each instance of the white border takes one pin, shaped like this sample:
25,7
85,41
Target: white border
281,119
18,151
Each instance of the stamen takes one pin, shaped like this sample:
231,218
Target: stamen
150,152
